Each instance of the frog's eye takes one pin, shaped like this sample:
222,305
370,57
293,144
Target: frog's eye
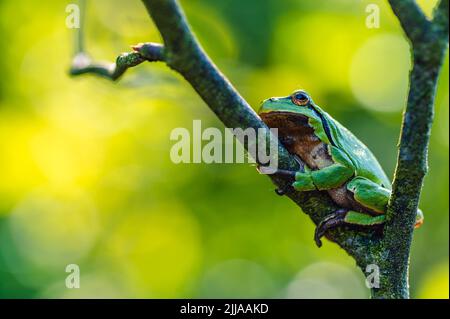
300,98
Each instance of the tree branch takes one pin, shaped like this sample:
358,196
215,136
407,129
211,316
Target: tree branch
412,19
429,45
183,53
440,18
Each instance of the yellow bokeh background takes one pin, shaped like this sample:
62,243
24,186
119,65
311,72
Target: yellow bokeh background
86,175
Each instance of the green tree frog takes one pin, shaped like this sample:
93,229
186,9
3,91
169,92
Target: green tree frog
336,162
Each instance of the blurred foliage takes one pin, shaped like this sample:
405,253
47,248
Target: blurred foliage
87,178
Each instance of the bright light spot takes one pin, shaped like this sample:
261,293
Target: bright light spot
93,285
131,21
379,73
435,285
317,55
237,279
326,280
65,159
18,171
158,250
51,229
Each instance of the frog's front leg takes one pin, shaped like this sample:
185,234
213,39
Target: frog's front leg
326,178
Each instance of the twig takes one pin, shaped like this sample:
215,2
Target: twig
83,64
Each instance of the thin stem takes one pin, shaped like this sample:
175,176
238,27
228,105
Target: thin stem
83,64
78,38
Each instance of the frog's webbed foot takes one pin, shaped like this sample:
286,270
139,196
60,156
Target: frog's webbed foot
333,220
282,172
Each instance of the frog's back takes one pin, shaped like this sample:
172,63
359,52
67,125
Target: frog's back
366,163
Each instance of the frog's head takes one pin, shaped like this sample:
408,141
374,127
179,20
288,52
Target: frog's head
294,110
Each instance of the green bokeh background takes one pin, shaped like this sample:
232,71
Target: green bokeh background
86,176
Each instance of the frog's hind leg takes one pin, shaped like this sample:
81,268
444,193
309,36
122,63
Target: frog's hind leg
374,198
369,195
345,217
331,221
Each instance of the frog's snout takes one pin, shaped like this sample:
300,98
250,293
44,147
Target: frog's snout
273,104
270,100
265,104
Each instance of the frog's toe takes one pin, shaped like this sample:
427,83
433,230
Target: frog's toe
331,221
419,219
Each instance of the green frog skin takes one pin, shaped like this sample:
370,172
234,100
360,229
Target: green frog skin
336,162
